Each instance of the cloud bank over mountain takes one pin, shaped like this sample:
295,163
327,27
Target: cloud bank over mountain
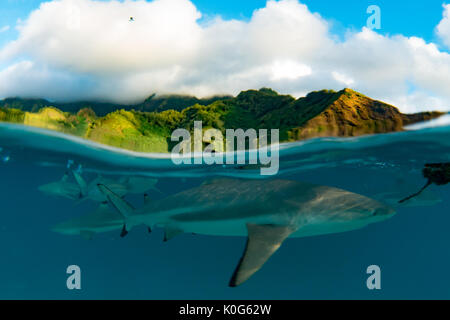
85,49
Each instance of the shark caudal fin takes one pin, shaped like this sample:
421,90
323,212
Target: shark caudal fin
125,209
263,241
81,183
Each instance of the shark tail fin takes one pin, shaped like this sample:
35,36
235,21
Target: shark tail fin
125,209
81,183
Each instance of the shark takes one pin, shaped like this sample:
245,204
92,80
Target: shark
80,190
267,212
62,188
102,220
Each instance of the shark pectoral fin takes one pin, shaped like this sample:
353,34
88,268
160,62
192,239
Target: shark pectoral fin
263,241
88,235
171,232
81,183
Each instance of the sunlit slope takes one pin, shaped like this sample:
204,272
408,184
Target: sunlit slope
349,113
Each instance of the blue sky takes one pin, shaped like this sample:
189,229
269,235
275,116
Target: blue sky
414,17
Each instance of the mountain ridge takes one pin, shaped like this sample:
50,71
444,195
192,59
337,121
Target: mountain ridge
154,103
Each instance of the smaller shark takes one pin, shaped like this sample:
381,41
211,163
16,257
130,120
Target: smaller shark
81,190
266,212
62,188
103,219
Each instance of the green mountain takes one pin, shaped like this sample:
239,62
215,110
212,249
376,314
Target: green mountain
151,104
147,127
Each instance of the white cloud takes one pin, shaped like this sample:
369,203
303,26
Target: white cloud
4,29
289,70
443,28
89,49
97,37
343,78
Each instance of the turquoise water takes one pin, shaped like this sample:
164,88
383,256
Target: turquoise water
411,248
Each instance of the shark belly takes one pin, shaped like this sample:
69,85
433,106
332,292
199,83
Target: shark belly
219,220
230,228
238,228
312,230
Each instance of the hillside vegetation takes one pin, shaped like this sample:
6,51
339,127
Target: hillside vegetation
325,113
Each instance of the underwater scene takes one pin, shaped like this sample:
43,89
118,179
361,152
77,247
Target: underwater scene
65,200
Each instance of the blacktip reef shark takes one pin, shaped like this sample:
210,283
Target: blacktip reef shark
81,190
267,212
62,188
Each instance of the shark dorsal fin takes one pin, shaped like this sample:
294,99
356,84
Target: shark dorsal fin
263,241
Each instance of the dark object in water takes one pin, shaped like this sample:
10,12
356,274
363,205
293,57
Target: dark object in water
437,173
124,232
